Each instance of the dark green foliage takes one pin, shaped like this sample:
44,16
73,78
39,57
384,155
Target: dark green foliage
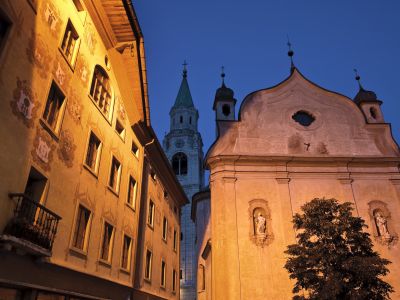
333,257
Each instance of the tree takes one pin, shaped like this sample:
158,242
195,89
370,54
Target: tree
333,257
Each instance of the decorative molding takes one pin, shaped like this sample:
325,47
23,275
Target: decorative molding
282,180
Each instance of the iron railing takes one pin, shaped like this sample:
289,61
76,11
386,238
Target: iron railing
33,222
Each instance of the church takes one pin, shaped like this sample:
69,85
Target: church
289,144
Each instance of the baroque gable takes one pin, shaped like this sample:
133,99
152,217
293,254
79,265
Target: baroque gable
299,118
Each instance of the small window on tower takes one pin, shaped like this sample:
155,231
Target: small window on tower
373,112
180,164
180,119
190,120
226,110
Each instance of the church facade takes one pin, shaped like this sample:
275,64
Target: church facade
291,143
184,148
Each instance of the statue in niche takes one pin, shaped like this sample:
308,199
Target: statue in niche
381,225
260,222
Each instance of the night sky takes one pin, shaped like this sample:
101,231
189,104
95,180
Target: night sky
329,38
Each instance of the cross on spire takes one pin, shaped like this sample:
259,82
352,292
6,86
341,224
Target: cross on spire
223,75
358,78
290,54
184,68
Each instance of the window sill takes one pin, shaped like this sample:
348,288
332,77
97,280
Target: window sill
126,271
162,287
90,170
121,136
148,280
71,65
51,131
99,109
164,240
150,226
116,193
79,252
104,263
130,207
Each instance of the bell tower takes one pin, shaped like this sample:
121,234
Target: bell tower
184,148
224,103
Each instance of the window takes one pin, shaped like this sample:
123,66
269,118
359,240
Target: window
303,118
179,164
180,119
226,110
163,270
165,229
80,240
107,243
120,129
147,270
100,91
201,278
93,153
132,192
115,175
135,149
34,190
5,25
35,185
153,175
70,44
190,120
173,280
126,253
175,239
180,274
373,113
54,108
150,217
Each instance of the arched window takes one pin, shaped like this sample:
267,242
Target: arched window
100,90
181,119
373,113
179,163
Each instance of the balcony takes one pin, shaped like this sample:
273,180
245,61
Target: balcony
32,228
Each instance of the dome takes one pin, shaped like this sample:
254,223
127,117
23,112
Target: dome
364,95
224,93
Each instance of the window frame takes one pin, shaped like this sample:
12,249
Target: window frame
94,171
152,208
107,261
122,135
173,282
175,242
128,196
10,24
111,92
71,63
85,247
54,131
165,229
148,266
115,190
163,273
129,254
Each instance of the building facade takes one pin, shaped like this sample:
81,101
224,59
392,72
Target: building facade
89,206
183,147
291,143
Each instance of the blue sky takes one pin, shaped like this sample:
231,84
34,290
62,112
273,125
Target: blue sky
330,39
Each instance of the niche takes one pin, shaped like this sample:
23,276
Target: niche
381,223
260,229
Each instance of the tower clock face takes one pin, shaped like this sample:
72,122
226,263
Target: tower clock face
179,143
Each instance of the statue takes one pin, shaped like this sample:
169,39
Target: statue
260,223
381,224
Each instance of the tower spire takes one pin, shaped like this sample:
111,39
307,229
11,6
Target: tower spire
184,73
223,75
290,54
358,79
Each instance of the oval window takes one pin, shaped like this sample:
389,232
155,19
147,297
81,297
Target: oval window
303,118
